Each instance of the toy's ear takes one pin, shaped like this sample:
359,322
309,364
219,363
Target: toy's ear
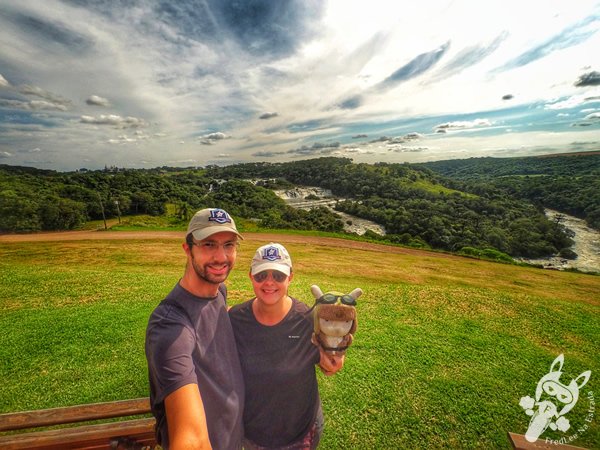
356,293
316,291
559,361
585,377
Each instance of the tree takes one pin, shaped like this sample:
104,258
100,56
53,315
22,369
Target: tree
56,213
18,213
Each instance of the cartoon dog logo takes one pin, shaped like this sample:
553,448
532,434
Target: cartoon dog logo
552,401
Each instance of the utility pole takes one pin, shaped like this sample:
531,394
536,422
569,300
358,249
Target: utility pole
102,209
118,210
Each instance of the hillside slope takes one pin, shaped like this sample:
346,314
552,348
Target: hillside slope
569,183
445,348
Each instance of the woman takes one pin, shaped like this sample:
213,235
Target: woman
273,336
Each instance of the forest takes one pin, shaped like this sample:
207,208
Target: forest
569,183
488,206
42,200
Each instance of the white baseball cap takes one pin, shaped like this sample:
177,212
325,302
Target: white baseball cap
271,257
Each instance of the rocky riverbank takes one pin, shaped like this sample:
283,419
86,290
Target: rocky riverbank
297,198
587,246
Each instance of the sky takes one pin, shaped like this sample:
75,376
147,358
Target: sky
144,84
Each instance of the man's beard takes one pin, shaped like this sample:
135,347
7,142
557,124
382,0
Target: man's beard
209,278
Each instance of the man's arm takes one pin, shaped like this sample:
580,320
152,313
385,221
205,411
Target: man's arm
186,420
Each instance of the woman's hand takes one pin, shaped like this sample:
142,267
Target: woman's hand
330,364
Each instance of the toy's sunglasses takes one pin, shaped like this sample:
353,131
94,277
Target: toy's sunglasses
330,299
279,277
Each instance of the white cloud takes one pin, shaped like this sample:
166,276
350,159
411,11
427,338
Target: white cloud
114,120
268,115
462,125
123,139
42,104
32,105
571,102
96,100
212,138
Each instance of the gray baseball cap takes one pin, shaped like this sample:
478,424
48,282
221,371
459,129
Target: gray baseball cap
209,221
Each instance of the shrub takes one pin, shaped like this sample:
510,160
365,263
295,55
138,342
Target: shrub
567,253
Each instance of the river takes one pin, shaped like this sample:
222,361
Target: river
297,198
587,246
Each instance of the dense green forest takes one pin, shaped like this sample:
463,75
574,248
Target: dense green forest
42,200
418,206
471,206
569,183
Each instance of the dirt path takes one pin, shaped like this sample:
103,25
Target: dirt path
273,237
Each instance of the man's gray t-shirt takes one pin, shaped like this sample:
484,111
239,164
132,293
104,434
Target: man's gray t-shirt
189,340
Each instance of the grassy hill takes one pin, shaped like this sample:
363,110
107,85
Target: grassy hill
446,346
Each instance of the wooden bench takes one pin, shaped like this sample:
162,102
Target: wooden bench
519,442
134,433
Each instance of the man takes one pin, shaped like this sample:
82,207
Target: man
196,385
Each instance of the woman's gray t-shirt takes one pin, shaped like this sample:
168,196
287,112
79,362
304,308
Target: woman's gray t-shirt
282,394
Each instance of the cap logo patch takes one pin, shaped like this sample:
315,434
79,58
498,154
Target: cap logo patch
219,216
271,254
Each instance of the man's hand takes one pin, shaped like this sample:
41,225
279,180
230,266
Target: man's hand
330,364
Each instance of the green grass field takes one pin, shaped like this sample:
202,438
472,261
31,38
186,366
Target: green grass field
445,348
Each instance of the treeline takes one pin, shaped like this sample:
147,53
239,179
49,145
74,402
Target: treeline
33,200
438,205
43,200
418,206
569,183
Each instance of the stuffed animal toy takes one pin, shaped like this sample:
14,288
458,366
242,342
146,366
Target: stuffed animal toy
335,320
